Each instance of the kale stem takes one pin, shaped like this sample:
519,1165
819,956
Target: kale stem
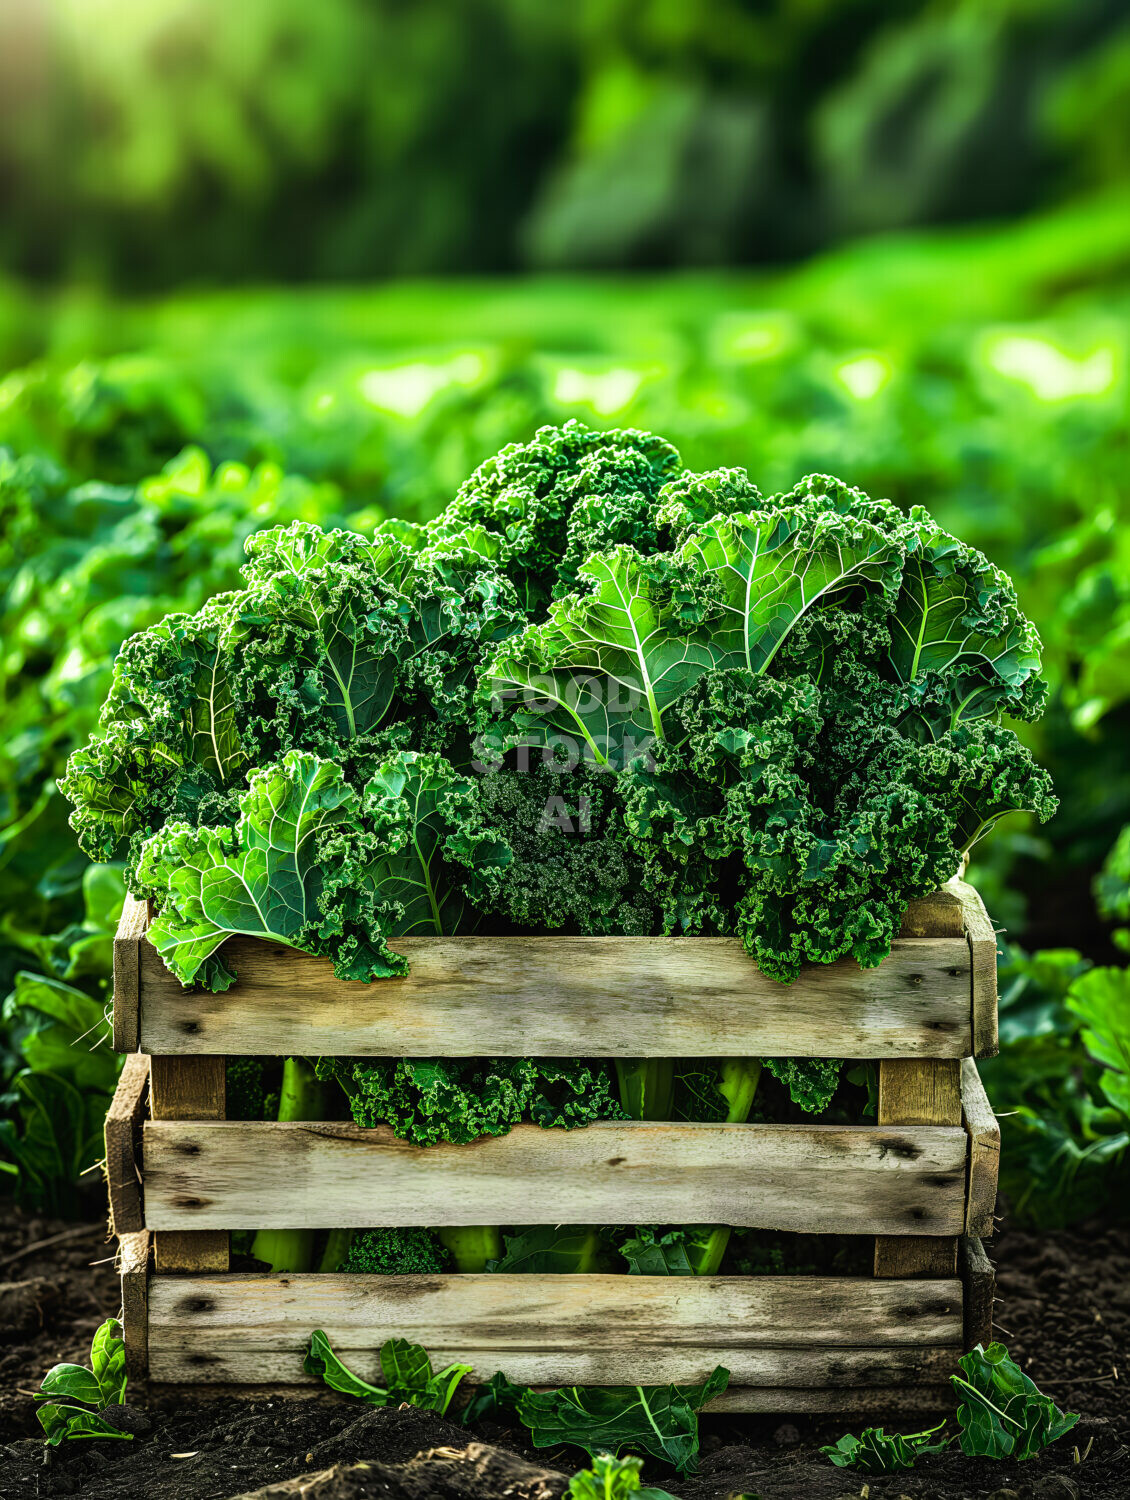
982,1397
302,1097
647,1086
738,1078
472,1245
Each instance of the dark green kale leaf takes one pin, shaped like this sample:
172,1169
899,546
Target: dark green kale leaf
427,1100
1002,1413
554,500
554,1249
877,1452
571,866
661,1420
316,865
395,1252
406,1370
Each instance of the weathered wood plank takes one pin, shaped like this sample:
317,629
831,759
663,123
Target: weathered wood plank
689,997
127,940
978,1288
768,1331
984,1151
122,1137
914,1093
818,1179
232,1358
133,1264
879,1401
190,1089
509,1312
876,1401
983,961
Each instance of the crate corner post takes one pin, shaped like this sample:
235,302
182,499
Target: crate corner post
189,1088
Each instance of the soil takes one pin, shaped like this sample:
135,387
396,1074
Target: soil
1064,1307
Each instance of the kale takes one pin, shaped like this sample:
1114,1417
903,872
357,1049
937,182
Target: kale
394,1252
598,694
428,1100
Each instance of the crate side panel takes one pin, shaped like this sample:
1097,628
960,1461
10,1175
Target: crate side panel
769,1331
229,1360
688,996
879,1402
816,1179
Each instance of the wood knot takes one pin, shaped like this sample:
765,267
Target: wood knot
904,1150
196,1304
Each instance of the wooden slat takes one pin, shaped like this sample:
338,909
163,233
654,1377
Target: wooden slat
228,1359
978,1287
982,939
819,1179
546,996
133,1263
122,1136
127,939
879,1401
858,1401
913,1093
984,1151
768,1331
188,1088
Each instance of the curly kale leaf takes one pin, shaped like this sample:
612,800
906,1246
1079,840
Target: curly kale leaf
878,1452
960,648
571,866
778,776
428,1100
595,679
312,863
170,739
319,650
691,500
343,638
602,671
395,1252
265,877
811,1081
554,500
653,1251
423,840
338,647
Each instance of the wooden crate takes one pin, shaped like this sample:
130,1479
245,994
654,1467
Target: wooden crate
921,1180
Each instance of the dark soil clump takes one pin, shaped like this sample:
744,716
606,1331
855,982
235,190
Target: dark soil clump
1064,1308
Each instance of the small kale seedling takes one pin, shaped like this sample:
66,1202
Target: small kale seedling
613,1479
877,1452
407,1371
69,1391
1002,1413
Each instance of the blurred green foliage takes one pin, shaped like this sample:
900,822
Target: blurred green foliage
147,143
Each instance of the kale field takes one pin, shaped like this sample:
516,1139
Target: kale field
983,374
